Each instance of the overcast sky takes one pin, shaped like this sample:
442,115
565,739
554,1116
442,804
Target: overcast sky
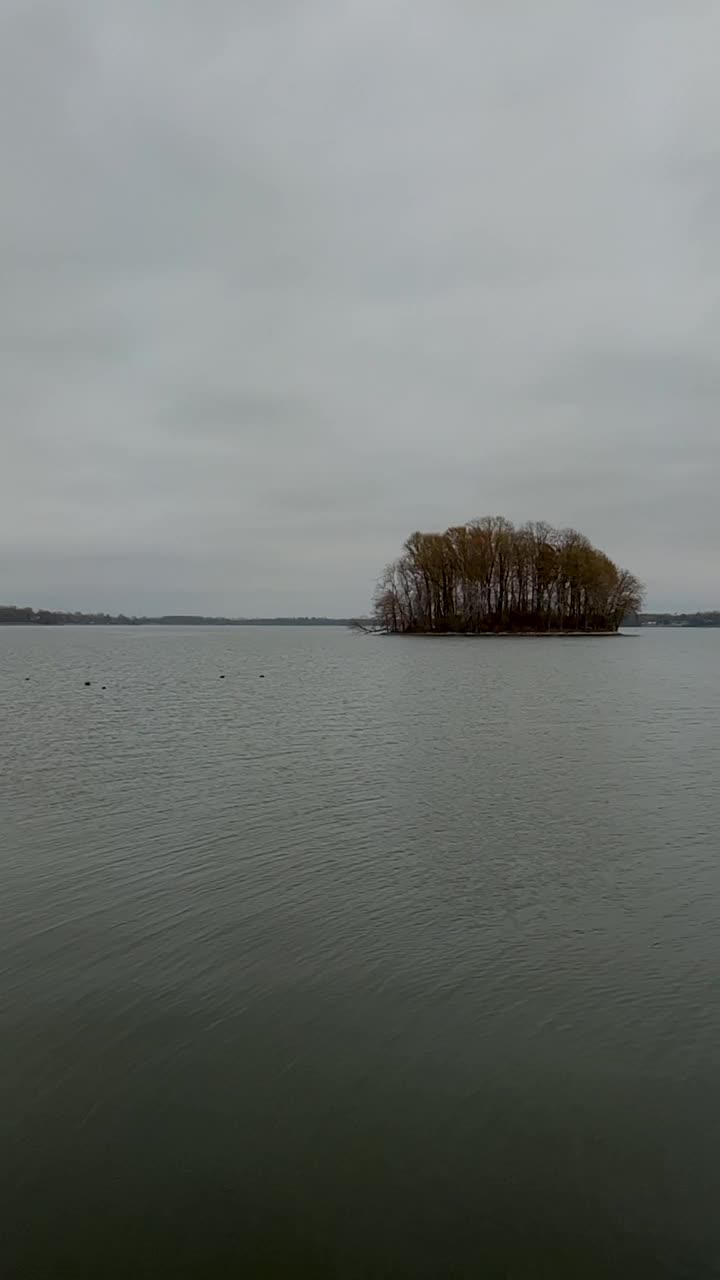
284,280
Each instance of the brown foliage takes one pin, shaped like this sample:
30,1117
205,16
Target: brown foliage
489,576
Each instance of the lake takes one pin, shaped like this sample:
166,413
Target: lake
402,960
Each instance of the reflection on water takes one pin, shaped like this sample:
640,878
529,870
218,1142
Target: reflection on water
399,962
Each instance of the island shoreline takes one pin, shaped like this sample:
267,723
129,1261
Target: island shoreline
500,635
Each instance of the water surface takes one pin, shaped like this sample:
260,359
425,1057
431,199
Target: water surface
402,960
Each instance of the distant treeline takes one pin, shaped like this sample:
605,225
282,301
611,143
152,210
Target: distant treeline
710,618
489,576
13,615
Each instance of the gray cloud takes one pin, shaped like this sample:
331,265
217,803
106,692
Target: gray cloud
285,281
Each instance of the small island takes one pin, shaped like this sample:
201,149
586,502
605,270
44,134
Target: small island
490,577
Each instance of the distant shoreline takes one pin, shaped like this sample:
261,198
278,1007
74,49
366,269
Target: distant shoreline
14,617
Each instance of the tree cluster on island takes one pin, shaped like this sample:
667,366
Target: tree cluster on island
490,576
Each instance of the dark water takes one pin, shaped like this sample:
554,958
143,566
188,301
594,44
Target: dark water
401,961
